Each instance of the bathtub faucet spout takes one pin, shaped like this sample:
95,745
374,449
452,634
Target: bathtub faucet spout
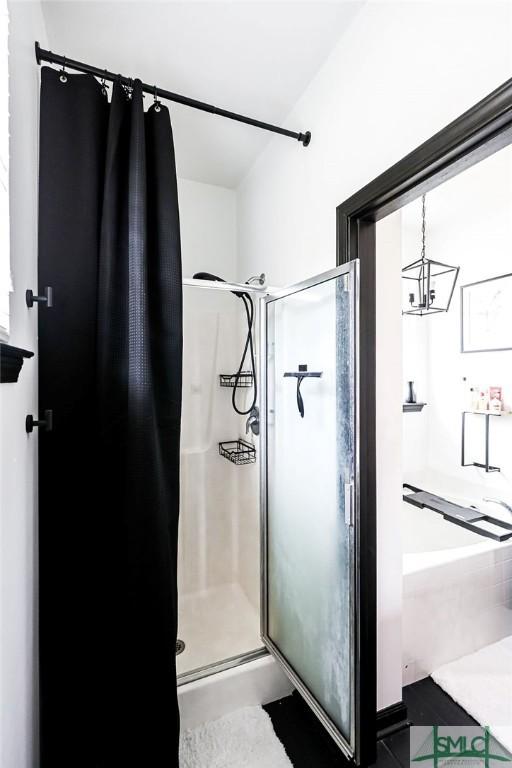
500,503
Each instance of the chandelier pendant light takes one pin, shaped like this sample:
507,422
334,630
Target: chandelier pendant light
430,284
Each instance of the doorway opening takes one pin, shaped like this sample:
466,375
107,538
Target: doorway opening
369,225
454,524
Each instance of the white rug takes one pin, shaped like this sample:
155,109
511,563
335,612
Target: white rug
242,739
481,683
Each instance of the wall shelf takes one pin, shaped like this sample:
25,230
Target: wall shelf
245,379
238,451
11,362
413,407
487,466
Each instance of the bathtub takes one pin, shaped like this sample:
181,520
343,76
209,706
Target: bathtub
457,591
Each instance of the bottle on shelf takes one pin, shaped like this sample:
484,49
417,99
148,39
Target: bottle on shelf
483,400
495,399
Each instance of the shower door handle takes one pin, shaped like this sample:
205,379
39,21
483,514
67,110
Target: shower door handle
349,504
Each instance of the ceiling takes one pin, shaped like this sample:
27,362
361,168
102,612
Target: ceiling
255,58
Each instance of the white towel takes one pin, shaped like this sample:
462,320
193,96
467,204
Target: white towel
243,739
481,683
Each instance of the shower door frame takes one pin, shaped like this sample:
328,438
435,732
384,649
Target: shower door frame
349,746
478,133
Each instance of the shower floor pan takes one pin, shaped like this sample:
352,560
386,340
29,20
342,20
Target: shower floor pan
216,624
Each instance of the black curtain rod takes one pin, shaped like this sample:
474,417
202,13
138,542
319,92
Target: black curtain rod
55,58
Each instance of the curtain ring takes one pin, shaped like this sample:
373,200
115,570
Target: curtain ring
127,88
156,103
104,86
63,77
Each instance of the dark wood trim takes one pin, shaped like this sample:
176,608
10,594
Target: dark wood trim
391,719
11,362
478,133
366,530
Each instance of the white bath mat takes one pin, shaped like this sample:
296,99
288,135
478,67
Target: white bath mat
481,683
242,739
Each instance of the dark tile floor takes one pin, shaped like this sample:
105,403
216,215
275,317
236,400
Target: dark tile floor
309,746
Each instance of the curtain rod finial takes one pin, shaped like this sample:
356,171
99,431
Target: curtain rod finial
305,138
37,48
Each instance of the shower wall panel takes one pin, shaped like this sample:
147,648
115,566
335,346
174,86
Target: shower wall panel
208,552
249,531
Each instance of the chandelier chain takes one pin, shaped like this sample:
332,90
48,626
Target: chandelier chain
423,249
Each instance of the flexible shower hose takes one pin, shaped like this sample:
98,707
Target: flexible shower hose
249,311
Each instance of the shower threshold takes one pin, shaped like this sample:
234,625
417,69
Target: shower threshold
220,666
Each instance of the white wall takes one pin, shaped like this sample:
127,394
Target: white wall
399,74
208,228
18,595
389,457
415,339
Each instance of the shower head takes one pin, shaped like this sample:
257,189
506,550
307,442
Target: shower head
208,276
216,278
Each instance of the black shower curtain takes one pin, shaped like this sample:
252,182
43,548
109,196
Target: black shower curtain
110,356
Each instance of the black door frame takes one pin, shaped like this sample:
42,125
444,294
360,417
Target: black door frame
476,134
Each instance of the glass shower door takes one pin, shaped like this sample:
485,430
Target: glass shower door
310,492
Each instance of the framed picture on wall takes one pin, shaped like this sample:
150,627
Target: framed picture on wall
486,315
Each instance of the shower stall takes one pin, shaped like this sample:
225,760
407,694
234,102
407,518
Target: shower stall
218,570
269,496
